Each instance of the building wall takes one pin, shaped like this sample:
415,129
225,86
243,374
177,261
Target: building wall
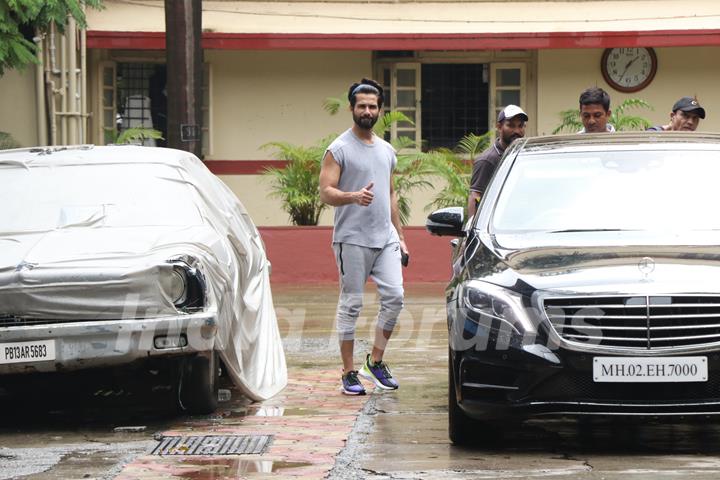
253,191
18,116
266,96
563,74
287,89
270,96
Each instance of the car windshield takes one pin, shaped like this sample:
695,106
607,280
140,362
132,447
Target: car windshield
117,195
610,191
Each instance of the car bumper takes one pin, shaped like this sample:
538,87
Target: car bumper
107,343
523,382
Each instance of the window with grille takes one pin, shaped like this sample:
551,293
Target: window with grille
134,95
454,103
142,98
508,86
447,101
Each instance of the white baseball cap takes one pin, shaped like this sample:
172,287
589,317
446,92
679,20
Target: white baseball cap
511,111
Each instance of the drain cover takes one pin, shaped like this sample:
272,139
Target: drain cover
213,445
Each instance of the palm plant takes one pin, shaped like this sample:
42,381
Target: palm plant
570,119
136,135
7,141
455,168
411,173
332,105
297,184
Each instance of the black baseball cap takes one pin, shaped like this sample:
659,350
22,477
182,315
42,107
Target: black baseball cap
689,104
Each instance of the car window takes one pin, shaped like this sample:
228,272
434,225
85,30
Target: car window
615,190
116,195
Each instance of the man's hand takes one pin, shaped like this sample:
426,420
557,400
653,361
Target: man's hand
365,197
403,247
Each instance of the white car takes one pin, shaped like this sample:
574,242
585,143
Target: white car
127,256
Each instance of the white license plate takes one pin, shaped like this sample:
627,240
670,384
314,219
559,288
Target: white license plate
647,370
19,352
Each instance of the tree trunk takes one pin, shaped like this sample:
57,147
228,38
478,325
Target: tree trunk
183,27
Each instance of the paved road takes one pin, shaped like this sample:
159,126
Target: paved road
86,429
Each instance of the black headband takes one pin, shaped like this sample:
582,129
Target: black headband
364,86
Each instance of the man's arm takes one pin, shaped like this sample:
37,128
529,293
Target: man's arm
395,216
331,194
473,200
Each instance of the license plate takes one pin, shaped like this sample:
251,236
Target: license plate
37,351
647,370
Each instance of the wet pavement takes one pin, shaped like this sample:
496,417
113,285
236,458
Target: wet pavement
86,428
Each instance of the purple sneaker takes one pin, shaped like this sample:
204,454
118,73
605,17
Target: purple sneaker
379,374
351,385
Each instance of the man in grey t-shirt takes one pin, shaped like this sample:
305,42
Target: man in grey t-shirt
356,178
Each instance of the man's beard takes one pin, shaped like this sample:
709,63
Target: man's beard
507,140
366,123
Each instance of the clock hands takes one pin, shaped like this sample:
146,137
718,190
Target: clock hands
626,68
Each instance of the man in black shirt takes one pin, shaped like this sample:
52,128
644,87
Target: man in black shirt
685,116
510,125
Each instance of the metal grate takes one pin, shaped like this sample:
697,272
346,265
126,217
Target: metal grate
636,322
213,445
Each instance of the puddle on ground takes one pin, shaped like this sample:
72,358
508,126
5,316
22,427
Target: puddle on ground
214,468
270,412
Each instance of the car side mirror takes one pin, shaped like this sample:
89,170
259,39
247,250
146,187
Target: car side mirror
446,222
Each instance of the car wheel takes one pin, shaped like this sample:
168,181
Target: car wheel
198,384
462,429
457,420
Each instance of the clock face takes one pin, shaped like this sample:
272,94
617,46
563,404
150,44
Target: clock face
629,69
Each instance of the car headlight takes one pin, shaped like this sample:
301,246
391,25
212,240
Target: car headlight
487,302
178,286
174,284
184,285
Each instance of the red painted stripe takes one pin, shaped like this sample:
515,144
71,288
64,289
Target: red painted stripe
247,167
304,255
400,41
242,167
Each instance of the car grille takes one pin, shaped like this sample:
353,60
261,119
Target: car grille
636,322
579,386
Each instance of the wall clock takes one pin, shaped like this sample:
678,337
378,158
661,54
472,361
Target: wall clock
628,69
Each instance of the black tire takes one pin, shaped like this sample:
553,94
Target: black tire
457,420
198,388
462,429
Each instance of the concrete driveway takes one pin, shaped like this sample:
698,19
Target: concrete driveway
315,432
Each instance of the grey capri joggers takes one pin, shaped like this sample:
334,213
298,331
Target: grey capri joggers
355,265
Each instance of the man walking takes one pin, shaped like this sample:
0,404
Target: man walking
685,116
510,125
595,111
356,178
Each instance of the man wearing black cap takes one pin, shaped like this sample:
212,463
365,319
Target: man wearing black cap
685,116
510,125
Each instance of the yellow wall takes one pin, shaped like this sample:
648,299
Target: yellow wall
264,96
253,192
563,74
287,89
18,115
259,97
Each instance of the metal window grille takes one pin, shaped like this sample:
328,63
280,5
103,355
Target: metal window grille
454,103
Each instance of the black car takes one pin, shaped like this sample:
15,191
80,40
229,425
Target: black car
588,283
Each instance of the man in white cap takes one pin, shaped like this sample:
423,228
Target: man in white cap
510,125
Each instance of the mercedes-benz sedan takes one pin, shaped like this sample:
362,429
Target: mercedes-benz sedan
588,283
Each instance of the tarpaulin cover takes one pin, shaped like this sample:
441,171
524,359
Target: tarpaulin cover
89,233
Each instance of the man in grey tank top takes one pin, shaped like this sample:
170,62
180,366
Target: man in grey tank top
356,178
